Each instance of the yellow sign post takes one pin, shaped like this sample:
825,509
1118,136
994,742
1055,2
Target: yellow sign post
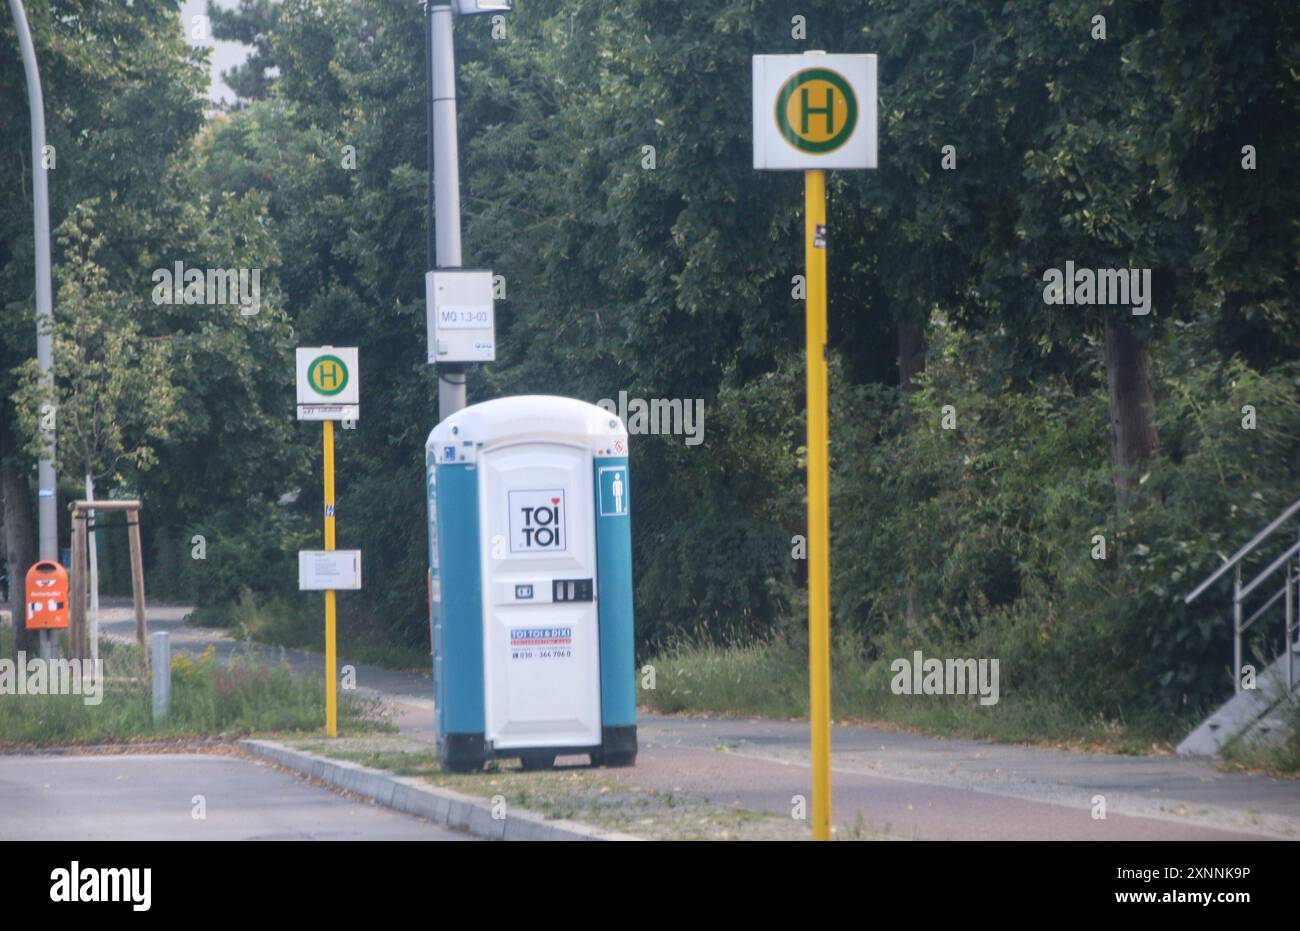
328,391
814,112
331,657
819,522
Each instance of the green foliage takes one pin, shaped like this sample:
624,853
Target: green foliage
771,679
1278,756
214,560
745,506
123,94
978,540
111,402
252,23
209,699
246,696
677,282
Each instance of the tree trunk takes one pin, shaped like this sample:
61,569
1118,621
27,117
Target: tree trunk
20,550
911,353
1133,438
911,363
92,623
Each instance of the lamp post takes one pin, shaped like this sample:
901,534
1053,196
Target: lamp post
47,484
442,249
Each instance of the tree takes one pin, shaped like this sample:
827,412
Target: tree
98,108
1225,159
112,399
252,23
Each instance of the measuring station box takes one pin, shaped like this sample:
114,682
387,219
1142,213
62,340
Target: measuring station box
460,316
530,583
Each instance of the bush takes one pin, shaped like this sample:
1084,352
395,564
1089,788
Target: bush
241,548
979,540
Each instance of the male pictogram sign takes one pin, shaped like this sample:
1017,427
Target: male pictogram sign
47,596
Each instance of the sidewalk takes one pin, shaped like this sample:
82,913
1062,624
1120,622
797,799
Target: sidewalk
901,784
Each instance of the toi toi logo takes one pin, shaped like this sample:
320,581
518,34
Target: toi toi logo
537,520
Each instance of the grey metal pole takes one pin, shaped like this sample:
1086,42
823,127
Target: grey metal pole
1292,622
445,166
1290,612
1236,632
47,503
47,511
160,662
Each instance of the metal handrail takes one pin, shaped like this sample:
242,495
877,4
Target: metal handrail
1262,608
1241,553
1240,593
1273,567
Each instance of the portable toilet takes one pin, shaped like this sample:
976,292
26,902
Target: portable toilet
530,584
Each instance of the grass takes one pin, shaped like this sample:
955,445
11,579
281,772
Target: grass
281,622
209,699
586,795
770,679
1279,757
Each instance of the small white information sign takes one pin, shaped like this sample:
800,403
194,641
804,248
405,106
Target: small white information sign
329,412
461,318
324,570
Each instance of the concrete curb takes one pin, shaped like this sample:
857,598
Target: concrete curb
416,797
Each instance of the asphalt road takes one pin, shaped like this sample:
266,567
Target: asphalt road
153,796
884,781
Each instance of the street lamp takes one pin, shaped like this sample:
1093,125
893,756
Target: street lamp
46,479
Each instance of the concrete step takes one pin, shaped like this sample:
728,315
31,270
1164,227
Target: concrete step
1260,713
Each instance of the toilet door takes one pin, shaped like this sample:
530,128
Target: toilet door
540,633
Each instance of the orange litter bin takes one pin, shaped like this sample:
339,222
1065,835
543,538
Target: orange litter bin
47,596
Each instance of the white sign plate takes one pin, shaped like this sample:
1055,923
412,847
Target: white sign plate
814,111
329,383
329,412
460,313
324,570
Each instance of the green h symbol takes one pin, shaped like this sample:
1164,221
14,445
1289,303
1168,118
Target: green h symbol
827,112
329,375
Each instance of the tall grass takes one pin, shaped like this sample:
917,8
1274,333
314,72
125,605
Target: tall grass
1279,756
770,679
208,699
298,622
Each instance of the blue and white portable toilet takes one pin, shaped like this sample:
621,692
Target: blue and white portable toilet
530,583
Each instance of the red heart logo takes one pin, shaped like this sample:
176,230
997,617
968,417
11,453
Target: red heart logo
555,501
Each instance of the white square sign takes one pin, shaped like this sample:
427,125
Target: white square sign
537,520
329,383
814,111
461,322
329,570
